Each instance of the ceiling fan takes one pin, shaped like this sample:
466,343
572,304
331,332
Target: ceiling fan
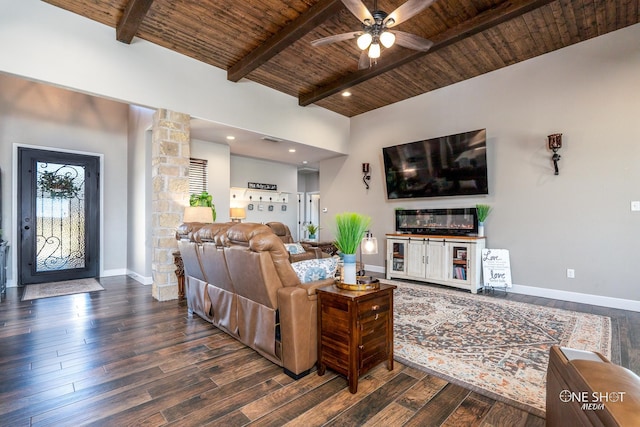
375,29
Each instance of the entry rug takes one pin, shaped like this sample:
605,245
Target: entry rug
54,289
495,347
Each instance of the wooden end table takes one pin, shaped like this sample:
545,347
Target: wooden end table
355,331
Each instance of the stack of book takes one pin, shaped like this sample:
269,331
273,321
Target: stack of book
460,273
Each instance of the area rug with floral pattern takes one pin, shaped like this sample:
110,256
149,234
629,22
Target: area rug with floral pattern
496,347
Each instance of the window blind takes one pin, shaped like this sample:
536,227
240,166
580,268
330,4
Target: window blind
197,176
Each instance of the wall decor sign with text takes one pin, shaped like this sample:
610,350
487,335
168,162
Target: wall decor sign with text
261,186
496,268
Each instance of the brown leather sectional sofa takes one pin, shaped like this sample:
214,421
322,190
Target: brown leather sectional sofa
238,277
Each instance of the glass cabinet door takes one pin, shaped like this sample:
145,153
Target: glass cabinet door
459,263
396,252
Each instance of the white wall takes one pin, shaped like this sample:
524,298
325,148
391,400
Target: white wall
48,117
308,182
244,170
139,250
43,42
580,219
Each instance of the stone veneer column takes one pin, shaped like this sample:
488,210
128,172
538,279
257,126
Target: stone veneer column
170,180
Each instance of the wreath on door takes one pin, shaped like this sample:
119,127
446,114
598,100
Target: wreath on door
58,186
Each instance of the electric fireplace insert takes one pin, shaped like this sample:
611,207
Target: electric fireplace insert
447,222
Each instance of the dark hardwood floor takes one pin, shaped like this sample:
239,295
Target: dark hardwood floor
120,358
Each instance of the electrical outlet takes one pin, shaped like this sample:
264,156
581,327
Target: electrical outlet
571,273
635,205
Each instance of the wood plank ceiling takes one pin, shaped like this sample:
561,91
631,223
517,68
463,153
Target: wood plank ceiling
270,40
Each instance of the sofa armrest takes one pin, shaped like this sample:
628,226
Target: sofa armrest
310,253
311,287
298,327
302,257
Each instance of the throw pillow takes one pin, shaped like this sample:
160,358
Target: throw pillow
294,248
315,269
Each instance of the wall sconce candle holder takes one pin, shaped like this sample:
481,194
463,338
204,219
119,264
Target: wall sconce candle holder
366,174
555,143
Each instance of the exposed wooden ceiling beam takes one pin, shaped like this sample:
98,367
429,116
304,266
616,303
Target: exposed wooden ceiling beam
304,23
133,15
483,21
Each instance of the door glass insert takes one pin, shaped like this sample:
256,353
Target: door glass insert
397,257
60,217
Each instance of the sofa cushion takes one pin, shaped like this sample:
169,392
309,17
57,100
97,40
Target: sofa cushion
294,248
315,269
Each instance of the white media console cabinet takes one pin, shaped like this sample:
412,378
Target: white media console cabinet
445,260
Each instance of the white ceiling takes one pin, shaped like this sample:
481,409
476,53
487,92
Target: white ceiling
252,144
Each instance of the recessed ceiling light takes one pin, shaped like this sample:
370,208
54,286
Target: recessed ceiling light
292,150
346,93
231,137
304,162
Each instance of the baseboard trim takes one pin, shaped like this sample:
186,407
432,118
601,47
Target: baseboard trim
374,268
619,303
114,272
145,280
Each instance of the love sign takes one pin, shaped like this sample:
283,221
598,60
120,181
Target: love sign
496,268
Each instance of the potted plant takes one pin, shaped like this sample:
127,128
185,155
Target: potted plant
350,229
483,213
312,229
203,199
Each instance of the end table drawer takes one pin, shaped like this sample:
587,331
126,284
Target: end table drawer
374,306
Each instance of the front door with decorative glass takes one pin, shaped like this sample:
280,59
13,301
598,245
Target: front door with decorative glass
59,212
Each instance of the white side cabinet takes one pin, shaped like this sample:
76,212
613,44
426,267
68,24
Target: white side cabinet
445,260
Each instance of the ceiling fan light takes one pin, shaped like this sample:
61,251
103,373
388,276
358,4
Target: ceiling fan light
387,39
374,51
364,41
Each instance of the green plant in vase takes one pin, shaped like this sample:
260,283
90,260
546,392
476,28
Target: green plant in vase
350,229
483,213
203,199
312,229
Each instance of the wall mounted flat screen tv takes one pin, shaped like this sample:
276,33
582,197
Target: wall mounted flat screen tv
453,165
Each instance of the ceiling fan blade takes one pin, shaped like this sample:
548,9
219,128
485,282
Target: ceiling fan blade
359,10
412,41
336,38
364,61
407,10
